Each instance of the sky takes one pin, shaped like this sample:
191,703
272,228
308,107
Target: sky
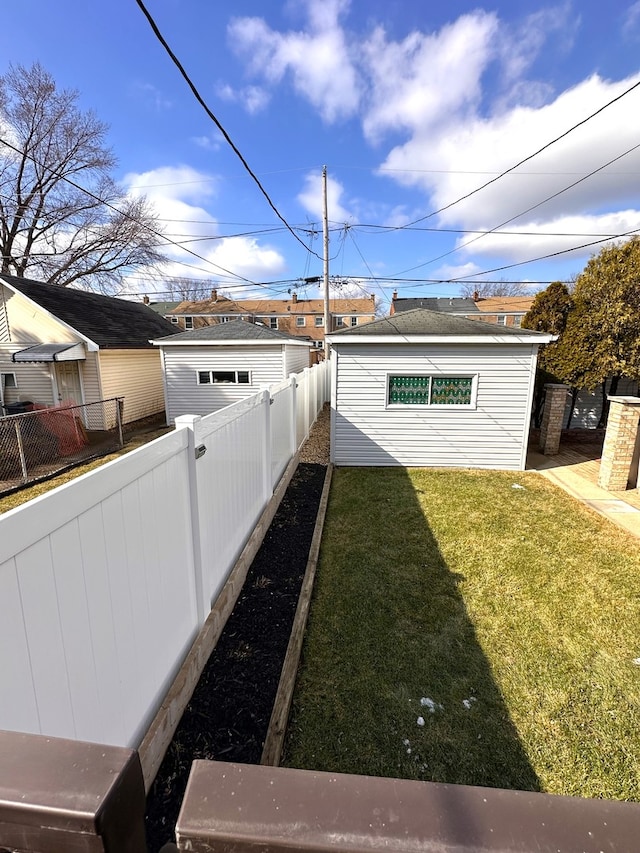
412,107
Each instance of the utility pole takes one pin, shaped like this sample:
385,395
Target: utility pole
325,233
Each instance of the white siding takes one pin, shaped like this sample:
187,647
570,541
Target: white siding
492,435
186,397
135,375
586,413
295,359
34,380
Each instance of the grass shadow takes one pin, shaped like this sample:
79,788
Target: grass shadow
397,683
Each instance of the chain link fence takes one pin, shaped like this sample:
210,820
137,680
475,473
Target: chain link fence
36,444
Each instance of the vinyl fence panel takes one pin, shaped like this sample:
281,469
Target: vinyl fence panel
99,573
105,581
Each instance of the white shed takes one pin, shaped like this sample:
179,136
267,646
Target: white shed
208,368
423,388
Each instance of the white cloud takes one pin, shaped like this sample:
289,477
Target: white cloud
208,143
423,80
152,96
461,106
455,271
181,197
318,60
631,23
556,235
311,198
241,256
491,145
521,45
254,99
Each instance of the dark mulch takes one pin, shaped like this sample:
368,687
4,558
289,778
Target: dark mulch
229,712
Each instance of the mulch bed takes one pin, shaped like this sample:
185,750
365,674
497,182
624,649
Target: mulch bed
228,715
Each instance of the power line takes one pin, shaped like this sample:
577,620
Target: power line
541,258
213,118
528,210
97,198
525,159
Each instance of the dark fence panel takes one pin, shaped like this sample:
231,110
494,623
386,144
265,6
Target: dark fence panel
240,808
43,441
63,796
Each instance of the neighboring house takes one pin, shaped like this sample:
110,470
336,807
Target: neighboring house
208,368
427,389
58,344
300,317
502,310
163,308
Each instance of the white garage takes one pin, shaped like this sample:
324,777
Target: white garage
208,368
423,388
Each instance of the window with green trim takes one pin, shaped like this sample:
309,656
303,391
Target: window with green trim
430,390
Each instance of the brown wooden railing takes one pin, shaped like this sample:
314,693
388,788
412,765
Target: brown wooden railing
61,796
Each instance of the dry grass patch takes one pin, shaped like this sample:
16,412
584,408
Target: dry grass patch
131,443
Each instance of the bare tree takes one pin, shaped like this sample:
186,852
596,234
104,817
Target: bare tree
50,153
495,288
190,289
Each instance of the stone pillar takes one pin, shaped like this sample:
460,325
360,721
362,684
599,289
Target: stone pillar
552,418
619,443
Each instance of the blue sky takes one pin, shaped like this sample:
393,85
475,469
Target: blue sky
410,105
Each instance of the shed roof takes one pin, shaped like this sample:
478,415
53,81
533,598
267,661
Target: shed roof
421,323
235,331
448,304
106,321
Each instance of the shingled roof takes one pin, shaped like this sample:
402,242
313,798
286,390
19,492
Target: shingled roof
445,304
109,322
423,323
233,331
277,307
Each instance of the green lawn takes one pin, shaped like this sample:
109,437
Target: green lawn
464,630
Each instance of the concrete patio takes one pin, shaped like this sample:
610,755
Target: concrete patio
575,469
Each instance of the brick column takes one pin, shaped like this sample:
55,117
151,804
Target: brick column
619,443
552,418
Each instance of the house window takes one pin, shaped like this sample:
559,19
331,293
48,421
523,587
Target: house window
273,322
319,321
174,320
501,319
8,380
354,321
517,320
224,319
224,377
339,322
430,390
188,323
300,321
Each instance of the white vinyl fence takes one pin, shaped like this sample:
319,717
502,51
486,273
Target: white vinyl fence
105,581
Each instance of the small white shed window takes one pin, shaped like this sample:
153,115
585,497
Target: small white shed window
224,377
8,380
430,390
